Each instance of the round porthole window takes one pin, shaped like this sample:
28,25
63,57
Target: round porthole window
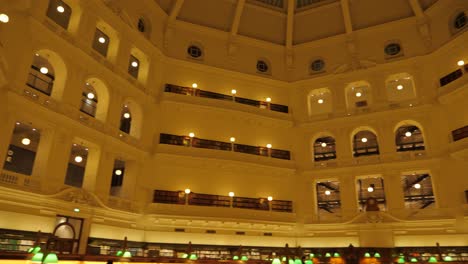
262,66
392,49
194,51
460,20
317,65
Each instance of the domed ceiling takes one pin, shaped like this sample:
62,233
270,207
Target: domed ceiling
302,20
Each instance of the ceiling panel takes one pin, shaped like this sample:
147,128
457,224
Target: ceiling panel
165,5
263,24
211,13
425,4
368,13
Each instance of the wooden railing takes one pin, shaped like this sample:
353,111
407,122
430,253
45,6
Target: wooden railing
171,88
220,145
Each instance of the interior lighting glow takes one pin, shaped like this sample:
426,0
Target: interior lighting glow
320,101
233,91
90,96
232,139
44,70
126,115
408,134
417,186
194,85
268,146
327,192
76,210
268,99
367,255
358,94
461,63
26,141
118,172
399,87
363,140
187,191
78,159
270,198
60,9
231,194
191,134
323,144
370,188
134,64
102,40
4,18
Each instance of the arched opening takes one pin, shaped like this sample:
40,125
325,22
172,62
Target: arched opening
409,137
319,101
99,98
324,148
118,174
138,65
358,95
365,143
22,149
106,41
400,87
131,118
47,74
89,100
76,165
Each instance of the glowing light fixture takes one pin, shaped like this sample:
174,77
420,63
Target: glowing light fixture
432,259
34,250
327,192
414,260
231,194
401,260
118,172
44,70
26,141
377,255
60,9
358,94
370,188
323,144
76,210
194,85
461,63
268,146
232,139
268,99
364,140
270,198
448,258
311,255
90,96
320,101
336,255
4,18
367,255
235,258
134,64
276,261
127,254
37,258
126,115
309,261
408,134
233,91
399,87
417,186
193,256
185,255
191,134
78,159
102,40
327,255
244,258
187,191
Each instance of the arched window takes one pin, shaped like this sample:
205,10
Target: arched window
324,149
22,149
319,102
89,100
358,96
400,87
409,138
41,75
365,143
126,120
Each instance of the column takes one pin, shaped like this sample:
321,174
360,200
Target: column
57,161
339,100
386,139
344,150
394,195
104,176
348,196
123,56
115,109
92,167
130,179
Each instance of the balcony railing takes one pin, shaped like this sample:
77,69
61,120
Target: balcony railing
171,88
411,146
219,145
200,199
39,81
460,133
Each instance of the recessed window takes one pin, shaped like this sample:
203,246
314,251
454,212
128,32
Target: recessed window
101,42
418,192
41,75
76,165
89,100
194,51
125,120
324,149
392,49
133,66
59,12
365,144
409,138
371,194
460,21
328,198
117,177
317,65
262,66
141,25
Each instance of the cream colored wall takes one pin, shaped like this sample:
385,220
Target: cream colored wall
154,166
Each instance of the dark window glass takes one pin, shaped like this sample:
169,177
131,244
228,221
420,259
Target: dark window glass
141,25
194,51
392,49
317,65
133,66
59,12
460,20
101,42
262,66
